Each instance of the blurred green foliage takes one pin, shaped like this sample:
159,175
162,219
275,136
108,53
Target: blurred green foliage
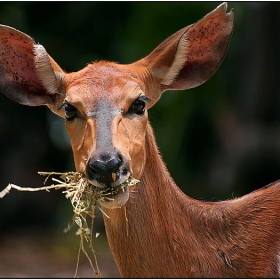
219,140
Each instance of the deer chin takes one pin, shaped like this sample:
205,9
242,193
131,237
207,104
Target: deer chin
115,200
115,195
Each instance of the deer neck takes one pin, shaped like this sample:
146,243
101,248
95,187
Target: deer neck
143,229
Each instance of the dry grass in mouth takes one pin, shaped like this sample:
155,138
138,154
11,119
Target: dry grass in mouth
83,197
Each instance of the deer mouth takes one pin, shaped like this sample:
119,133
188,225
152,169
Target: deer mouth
114,197
117,195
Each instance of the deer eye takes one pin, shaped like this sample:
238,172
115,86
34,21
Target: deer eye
139,105
70,111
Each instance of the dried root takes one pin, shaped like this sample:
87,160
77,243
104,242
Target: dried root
83,197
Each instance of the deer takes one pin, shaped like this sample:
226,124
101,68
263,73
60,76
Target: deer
165,233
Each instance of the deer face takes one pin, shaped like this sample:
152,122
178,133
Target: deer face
105,110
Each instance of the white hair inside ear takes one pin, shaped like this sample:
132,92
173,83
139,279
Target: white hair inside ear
50,79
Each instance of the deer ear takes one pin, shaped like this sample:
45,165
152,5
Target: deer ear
28,75
190,56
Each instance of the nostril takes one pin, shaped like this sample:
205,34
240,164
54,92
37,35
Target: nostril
92,170
94,166
113,165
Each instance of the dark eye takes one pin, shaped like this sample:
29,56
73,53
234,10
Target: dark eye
138,106
70,111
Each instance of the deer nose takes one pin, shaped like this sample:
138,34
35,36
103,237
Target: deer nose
104,169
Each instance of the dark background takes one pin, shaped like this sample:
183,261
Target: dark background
219,141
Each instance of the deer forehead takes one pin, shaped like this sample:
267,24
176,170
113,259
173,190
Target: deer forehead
103,81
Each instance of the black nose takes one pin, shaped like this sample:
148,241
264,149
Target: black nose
104,168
